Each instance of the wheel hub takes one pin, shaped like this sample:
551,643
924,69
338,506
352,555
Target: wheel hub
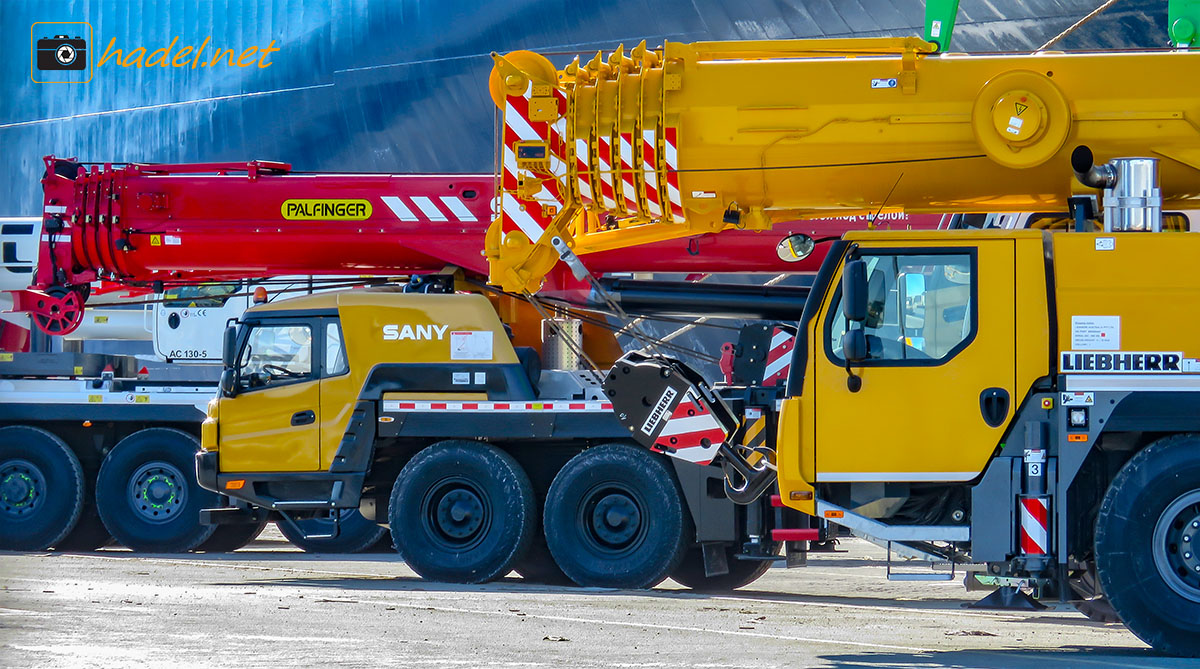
157,491
616,519
1177,545
460,514
22,488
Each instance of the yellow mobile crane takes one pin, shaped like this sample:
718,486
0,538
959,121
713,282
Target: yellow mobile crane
1025,401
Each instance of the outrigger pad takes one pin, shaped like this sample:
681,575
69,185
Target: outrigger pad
1009,598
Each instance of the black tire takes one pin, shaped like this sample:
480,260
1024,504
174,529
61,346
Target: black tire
89,533
1090,599
463,512
690,572
538,565
1149,518
41,489
229,538
615,518
148,495
355,534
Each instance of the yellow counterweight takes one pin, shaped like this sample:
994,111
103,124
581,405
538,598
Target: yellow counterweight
662,143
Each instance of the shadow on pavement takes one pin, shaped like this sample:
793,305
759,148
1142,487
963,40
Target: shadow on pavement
1067,656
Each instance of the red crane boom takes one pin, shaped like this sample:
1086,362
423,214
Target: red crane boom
146,226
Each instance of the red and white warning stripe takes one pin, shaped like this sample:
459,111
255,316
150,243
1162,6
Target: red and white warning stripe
692,432
1035,518
520,407
779,357
530,217
583,170
607,190
672,160
650,173
628,189
421,208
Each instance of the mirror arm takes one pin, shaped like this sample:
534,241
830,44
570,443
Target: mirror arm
853,381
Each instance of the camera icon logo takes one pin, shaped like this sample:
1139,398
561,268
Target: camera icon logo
62,52
59,53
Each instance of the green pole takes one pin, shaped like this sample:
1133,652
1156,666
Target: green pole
939,21
1183,22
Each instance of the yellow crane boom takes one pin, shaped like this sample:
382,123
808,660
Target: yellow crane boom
662,143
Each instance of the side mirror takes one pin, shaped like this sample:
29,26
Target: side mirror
854,345
229,347
795,248
228,381
854,291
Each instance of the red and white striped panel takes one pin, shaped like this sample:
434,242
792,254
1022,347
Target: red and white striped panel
606,173
1035,529
628,189
583,170
421,208
671,158
779,357
650,173
518,128
692,432
517,407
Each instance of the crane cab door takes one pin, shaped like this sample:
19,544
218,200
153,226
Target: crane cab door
272,422
937,383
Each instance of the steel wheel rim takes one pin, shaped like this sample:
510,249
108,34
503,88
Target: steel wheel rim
1176,545
456,514
22,489
157,492
612,517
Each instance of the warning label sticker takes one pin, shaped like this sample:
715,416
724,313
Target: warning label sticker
1077,399
1095,333
471,345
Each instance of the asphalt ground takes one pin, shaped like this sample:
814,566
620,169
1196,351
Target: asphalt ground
269,605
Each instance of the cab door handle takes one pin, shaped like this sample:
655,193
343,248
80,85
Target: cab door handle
304,417
993,404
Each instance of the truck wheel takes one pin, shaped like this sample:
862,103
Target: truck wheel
148,495
229,538
1090,600
1147,541
462,511
615,518
690,572
89,533
355,534
538,565
41,489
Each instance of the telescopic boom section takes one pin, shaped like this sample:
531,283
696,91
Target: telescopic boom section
661,143
146,226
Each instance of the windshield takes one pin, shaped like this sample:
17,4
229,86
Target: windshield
275,354
200,296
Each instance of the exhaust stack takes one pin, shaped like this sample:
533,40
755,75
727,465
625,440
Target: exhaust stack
1132,199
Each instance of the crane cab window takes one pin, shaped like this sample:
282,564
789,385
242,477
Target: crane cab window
920,309
204,295
275,355
335,352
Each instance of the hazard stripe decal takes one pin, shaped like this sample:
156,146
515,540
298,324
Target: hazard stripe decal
457,208
779,357
519,407
649,174
692,433
428,208
1035,512
671,160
